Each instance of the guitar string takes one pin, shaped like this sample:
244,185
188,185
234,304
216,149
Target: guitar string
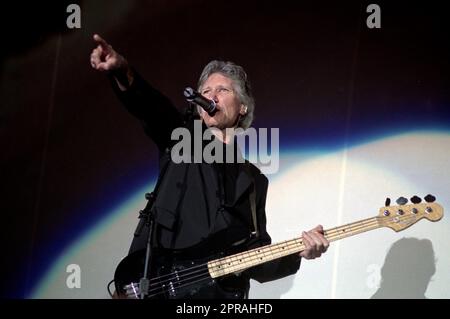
206,275
157,281
331,234
275,246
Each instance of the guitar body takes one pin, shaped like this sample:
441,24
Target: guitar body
175,275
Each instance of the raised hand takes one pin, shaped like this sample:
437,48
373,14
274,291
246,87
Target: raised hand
104,58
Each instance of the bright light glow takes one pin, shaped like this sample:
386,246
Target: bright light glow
310,189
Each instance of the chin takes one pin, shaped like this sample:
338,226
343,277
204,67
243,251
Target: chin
213,123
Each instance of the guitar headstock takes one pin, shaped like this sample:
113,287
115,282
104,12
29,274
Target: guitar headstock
402,216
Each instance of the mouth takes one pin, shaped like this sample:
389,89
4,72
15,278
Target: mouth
217,110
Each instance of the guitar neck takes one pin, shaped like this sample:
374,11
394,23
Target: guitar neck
241,261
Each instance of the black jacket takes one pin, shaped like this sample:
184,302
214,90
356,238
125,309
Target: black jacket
190,207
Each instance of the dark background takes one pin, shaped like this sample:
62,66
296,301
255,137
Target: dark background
69,151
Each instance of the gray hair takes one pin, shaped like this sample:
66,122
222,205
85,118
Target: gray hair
241,86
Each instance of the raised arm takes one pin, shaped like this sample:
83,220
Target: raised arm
158,115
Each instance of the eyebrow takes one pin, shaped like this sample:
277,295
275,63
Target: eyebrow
219,86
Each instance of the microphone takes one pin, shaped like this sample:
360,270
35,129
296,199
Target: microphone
195,97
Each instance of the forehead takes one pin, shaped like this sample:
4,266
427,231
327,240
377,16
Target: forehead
217,79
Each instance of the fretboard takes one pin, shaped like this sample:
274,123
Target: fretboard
241,261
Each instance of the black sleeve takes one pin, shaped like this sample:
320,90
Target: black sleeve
158,115
278,268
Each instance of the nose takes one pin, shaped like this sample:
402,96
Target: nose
215,98
213,95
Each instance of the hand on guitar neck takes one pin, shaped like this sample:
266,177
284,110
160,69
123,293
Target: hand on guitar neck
315,242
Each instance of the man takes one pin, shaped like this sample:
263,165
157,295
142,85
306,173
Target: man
221,205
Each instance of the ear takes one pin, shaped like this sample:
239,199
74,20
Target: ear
243,110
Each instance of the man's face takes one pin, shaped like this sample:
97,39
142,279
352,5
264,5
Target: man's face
220,89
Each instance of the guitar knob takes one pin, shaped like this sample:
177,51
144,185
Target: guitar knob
429,198
401,201
415,199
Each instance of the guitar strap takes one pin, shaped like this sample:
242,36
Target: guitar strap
255,232
252,198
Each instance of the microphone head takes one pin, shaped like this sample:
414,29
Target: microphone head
193,96
189,93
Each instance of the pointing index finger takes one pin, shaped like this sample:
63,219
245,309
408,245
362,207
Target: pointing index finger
102,42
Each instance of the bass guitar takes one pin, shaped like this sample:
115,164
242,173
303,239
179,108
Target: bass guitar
176,276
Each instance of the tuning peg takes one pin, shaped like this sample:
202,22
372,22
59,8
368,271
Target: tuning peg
387,202
401,201
415,199
429,198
